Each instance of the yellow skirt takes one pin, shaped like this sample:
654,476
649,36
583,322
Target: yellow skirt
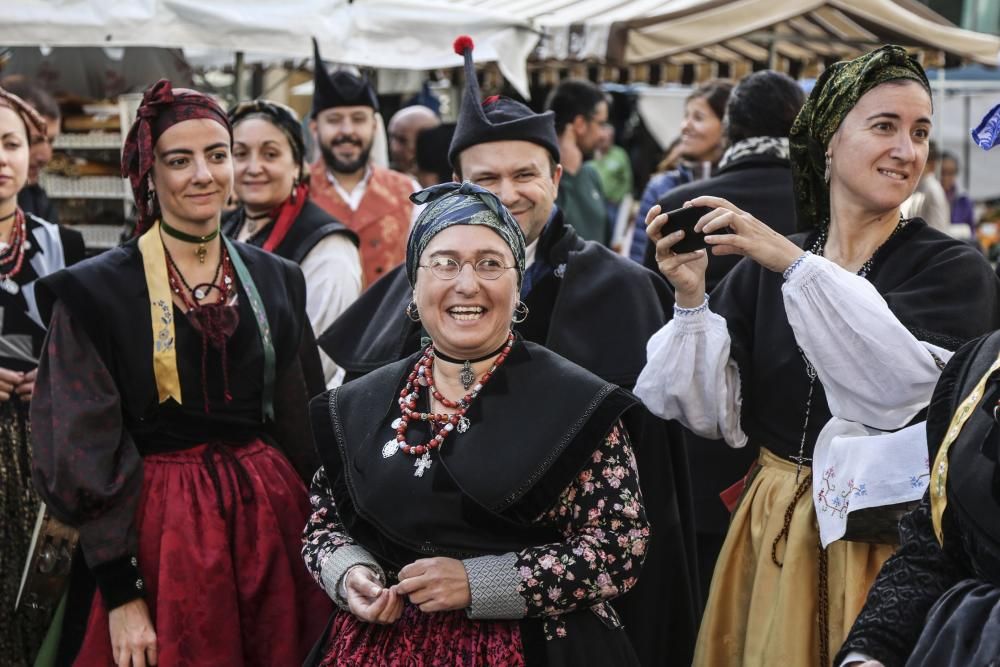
763,615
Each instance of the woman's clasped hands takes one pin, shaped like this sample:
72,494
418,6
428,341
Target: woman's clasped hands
16,384
432,584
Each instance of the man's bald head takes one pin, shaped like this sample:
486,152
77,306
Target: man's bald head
404,127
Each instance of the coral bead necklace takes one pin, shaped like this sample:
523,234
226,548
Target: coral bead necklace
441,425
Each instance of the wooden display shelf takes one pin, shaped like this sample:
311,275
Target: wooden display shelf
88,141
85,187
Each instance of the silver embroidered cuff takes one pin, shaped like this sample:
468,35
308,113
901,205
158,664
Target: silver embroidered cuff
787,273
493,582
685,312
336,565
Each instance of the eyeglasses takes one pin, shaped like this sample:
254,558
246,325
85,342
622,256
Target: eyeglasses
448,268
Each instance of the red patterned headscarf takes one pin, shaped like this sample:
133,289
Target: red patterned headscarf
162,106
31,118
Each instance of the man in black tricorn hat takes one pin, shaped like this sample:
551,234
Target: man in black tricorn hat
372,201
585,303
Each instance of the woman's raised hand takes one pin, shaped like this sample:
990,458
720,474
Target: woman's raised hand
368,599
685,271
133,640
732,231
435,584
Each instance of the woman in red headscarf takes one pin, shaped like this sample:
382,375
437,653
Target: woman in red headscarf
170,424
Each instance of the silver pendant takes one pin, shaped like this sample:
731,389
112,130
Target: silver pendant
467,376
9,286
422,464
463,424
200,293
389,448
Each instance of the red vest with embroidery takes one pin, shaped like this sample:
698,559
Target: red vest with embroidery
382,221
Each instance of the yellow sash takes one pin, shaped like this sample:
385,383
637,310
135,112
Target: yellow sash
939,472
161,311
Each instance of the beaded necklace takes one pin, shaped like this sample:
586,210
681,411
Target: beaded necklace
422,375
817,249
14,253
209,318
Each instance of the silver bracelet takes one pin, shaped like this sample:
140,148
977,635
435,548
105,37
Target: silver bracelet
786,274
686,312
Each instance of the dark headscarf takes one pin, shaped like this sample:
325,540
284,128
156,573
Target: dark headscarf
280,115
32,119
836,92
161,108
452,204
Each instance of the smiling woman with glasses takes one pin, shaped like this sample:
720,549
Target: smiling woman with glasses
447,530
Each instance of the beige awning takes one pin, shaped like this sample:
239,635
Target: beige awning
738,32
808,31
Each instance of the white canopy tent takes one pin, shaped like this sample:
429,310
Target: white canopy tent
394,34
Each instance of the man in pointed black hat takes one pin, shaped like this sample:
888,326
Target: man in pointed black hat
372,201
585,303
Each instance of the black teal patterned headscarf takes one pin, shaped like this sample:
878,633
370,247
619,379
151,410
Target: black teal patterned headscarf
836,92
465,203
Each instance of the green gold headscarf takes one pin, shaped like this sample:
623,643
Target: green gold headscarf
836,92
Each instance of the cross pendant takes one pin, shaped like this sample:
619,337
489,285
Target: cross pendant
422,464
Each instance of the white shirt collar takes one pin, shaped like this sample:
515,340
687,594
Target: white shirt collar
353,198
529,254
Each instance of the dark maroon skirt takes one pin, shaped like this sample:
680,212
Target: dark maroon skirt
224,587
417,639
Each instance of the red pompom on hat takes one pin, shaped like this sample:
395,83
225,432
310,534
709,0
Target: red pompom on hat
463,42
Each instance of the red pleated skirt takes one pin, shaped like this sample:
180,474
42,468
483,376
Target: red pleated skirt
442,639
223,587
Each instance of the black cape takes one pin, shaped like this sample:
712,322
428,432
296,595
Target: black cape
312,226
461,512
935,605
596,309
942,290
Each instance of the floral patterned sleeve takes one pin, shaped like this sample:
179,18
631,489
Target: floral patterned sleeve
328,551
605,528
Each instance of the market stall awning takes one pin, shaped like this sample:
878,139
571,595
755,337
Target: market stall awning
628,32
394,34
801,30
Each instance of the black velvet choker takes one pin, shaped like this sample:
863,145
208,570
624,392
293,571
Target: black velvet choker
467,376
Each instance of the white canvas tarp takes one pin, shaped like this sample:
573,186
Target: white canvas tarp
394,34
